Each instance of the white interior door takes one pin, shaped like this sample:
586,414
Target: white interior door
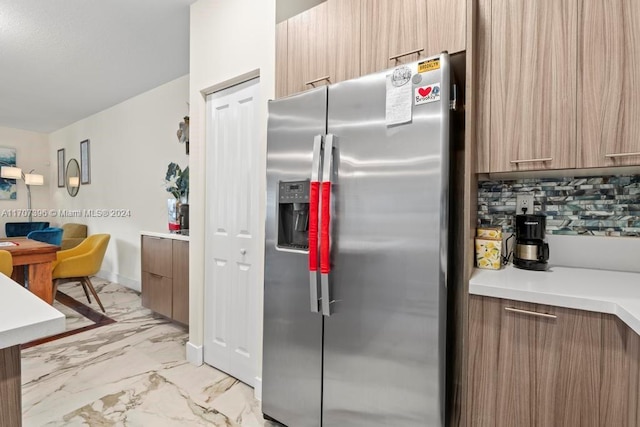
232,247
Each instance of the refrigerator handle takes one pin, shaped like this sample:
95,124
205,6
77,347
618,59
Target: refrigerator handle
325,224
314,200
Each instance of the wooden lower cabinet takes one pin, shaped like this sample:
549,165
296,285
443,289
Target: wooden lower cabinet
10,387
157,293
180,289
536,365
165,277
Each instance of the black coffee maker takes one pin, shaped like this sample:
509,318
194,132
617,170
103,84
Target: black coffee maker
531,251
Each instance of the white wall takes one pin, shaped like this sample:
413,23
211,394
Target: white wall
131,145
32,152
228,38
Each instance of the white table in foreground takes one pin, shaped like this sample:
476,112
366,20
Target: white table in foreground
603,291
23,317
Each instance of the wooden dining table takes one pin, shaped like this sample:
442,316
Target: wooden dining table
38,257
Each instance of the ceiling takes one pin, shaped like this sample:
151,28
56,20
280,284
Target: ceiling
64,60
285,9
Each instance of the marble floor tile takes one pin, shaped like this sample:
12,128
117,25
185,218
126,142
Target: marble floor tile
73,319
129,373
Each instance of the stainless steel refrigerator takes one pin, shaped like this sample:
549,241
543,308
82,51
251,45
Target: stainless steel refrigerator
356,251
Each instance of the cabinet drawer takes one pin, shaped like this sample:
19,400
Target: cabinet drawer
157,293
156,256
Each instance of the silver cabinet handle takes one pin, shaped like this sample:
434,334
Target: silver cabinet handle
313,82
243,251
614,155
544,159
400,55
531,313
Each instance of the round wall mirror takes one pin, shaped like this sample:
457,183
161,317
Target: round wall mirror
72,177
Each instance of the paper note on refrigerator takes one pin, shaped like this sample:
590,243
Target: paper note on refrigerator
399,96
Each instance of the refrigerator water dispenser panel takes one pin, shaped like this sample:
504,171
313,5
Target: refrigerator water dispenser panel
293,213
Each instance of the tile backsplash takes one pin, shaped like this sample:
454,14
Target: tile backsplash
600,206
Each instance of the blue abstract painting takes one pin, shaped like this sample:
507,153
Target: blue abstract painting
7,186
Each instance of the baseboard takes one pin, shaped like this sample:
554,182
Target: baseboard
194,354
121,280
257,388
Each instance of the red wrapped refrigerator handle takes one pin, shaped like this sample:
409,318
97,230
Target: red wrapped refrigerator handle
314,199
325,250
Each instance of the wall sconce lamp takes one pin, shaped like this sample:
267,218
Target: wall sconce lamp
11,172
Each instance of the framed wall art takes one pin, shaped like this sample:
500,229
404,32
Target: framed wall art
85,162
61,168
8,187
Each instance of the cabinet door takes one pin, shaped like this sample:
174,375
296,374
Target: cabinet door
446,26
483,86
533,365
533,82
620,360
181,281
157,293
281,60
516,374
567,365
609,83
156,255
484,333
344,17
307,49
391,28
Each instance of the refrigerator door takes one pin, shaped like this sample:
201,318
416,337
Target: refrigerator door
385,339
292,352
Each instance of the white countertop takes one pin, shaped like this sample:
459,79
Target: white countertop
603,291
24,317
165,235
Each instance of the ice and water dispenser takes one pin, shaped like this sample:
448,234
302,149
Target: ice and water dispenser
293,215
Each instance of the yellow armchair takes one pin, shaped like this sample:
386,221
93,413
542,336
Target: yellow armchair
6,263
81,262
72,235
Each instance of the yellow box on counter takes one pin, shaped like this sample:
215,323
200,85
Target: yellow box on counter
489,232
489,253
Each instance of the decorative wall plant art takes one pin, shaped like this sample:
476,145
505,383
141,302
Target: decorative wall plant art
8,187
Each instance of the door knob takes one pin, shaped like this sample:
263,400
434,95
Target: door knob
243,251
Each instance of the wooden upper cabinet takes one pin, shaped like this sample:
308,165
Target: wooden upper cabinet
322,47
483,86
412,28
391,28
446,26
533,82
609,83
281,59
307,49
344,39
